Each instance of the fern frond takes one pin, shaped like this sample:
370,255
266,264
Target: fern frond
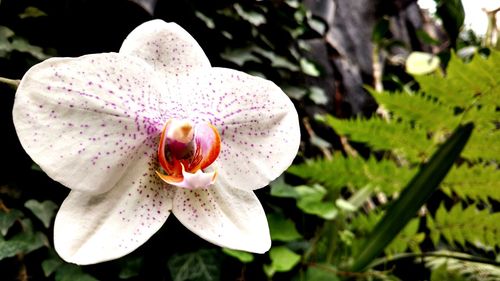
424,111
458,226
406,141
483,145
466,82
468,270
354,172
409,237
478,182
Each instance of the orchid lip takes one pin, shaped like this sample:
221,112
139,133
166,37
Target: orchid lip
185,150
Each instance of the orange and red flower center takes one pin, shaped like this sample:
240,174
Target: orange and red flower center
185,150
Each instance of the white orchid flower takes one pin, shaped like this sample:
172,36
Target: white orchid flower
154,130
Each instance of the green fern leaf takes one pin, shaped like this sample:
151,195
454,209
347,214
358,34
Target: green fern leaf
399,137
461,269
478,182
424,111
466,82
355,173
471,225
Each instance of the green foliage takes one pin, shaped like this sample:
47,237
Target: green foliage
465,225
454,269
244,257
411,143
44,211
478,182
413,196
355,173
310,199
282,260
200,265
9,43
7,219
281,228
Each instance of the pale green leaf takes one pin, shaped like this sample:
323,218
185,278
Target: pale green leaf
282,260
242,256
44,211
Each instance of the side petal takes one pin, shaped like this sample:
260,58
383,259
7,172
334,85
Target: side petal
227,217
166,46
96,228
257,122
84,119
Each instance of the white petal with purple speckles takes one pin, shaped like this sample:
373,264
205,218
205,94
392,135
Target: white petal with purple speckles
96,228
166,46
225,216
83,120
257,123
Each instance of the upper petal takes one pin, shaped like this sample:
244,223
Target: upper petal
257,122
166,46
228,217
96,228
84,119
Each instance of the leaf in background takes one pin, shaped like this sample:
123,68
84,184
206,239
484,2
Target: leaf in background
282,260
71,272
22,45
49,266
44,211
32,12
202,265
7,219
281,228
252,17
413,196
310,201
279,188
452,15
318,95
22,243
309,68
323,272
242,256
131,267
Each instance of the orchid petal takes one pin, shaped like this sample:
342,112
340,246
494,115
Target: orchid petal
257,123
84,120
166,46
96,228
228,217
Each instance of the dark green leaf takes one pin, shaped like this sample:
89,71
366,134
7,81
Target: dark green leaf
452,14
71,272
7,219
49,266
321,272
282,229
131,267
22,243
202,265
413,196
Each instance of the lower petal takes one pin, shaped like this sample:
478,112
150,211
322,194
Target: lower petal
228,217
96,228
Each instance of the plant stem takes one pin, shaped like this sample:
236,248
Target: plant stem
460,256
11,82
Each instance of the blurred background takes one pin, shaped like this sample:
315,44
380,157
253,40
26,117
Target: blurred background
379,86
